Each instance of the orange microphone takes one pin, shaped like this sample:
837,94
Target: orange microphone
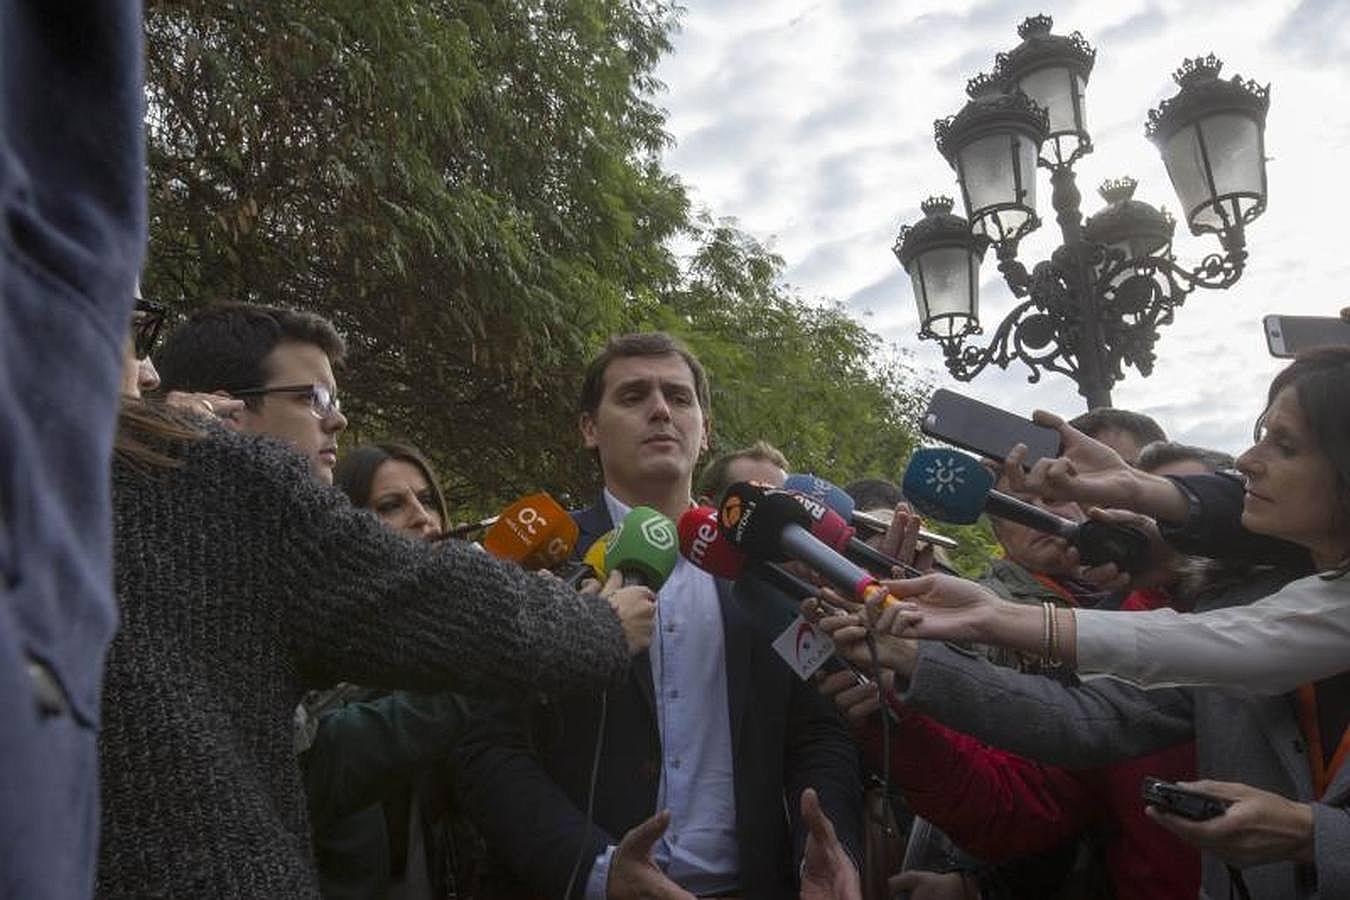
535,531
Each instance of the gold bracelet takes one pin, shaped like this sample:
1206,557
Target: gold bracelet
1054,633
1048,633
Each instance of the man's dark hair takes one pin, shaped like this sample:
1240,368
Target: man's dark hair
712,481
649,343
223,347
874,493
1162,453
1105,418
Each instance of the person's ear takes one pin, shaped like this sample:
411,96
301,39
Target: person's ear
586,424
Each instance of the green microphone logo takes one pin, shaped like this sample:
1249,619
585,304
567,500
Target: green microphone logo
660,533
644,547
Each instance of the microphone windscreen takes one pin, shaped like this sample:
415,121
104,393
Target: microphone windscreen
947,485
836,498
643,545
595,556
753,519
704,545
826,525
534,531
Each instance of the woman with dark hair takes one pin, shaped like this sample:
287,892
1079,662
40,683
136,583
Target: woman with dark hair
242,583
373,761
395,482
1305,430
1276,762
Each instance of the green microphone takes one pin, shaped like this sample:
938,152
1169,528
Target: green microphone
644,547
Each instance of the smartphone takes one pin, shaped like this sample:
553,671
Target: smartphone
1179,801
984,429
876,525
1288,336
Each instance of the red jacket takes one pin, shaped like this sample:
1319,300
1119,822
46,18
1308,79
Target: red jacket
999,806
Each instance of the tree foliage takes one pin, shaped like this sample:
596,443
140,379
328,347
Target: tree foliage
472,191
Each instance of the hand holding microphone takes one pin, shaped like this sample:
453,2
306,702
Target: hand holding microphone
956,488
639,555
635,605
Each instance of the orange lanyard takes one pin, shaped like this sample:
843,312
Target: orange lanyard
1323,772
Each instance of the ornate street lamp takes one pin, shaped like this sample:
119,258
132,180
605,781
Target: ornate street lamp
992,143
1096,304
942,257
1131,226
1053,71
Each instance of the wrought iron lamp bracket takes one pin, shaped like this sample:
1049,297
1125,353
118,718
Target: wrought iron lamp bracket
1133,296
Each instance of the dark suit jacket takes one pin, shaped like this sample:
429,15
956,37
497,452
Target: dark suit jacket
524,773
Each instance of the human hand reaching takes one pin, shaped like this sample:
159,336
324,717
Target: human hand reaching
632,873
827,871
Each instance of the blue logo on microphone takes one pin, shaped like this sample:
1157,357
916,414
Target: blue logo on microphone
945,475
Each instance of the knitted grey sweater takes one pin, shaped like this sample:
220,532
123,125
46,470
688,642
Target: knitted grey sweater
243,583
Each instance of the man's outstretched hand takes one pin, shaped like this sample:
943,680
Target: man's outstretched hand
632,874
827,871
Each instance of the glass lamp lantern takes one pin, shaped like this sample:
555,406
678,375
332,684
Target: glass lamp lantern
993,143
1053,71
942,257
1132,226
1212,138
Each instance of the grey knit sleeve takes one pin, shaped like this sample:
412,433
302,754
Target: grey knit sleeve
361,603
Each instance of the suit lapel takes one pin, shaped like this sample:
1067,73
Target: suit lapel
738,649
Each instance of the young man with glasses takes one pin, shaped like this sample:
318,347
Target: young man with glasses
279,362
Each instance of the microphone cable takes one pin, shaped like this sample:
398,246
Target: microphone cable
886,715
590,793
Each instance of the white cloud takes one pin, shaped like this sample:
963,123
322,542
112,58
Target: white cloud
811,123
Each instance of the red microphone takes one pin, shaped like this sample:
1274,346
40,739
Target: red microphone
702,543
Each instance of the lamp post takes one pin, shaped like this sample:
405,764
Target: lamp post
1096,304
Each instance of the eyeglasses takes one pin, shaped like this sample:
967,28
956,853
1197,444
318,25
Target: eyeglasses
323,401
146,324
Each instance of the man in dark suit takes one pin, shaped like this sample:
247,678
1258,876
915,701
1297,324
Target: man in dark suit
710,725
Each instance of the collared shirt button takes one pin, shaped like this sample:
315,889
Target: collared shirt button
675,694
675,763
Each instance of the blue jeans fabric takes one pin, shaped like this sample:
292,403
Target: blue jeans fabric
72,237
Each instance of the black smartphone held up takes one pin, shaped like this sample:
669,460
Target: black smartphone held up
1287,336
1182,802
984,429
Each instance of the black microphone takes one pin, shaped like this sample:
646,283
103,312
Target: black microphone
831,530
773,526
956,488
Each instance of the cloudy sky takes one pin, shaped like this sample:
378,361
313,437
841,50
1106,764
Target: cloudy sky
811,124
